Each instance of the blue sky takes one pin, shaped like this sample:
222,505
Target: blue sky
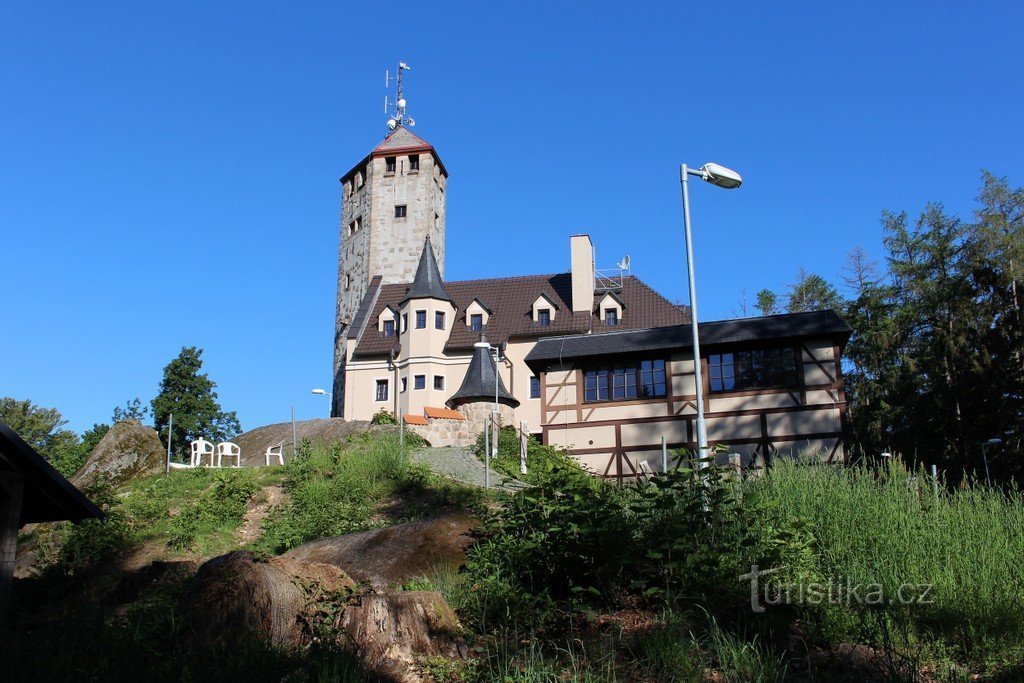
170,171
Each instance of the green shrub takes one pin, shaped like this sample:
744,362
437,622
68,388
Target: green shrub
383,417
539,458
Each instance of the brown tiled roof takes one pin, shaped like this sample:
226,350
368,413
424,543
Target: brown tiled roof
510,299
401,138
414,419
443,414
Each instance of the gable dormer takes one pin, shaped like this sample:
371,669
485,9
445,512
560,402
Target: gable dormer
476,315
387,322
610,309
543,310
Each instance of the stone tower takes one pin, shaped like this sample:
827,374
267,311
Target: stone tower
391,202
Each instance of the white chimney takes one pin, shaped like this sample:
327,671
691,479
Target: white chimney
581,254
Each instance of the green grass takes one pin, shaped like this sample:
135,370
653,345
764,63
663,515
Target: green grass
892,528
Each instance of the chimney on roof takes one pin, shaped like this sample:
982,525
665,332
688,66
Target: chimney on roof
581,254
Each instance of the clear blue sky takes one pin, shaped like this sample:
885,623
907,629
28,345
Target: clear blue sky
170,171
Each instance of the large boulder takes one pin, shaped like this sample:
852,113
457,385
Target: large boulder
255,442
395,554
392,634
235,598
128,451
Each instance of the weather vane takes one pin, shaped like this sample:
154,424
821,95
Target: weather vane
398,119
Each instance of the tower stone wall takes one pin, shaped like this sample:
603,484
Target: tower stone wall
374,240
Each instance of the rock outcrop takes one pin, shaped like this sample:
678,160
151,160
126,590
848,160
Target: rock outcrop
128,451
395,554
235,598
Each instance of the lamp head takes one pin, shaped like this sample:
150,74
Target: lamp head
319,392
721,176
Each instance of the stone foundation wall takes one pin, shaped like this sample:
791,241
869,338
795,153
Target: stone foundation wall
462,432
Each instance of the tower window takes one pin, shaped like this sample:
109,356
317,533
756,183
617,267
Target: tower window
534,387
476,322
405,384
352,228
382,390
389,164
437,219
419,382
439,382
405,322
421,320
400,211
348,281
439,320
544,317
389,328
611,316
414,162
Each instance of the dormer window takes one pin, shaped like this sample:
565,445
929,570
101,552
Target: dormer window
414,163
610,309
386,322
543,310
389,164
476,315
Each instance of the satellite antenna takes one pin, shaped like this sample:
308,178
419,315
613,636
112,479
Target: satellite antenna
398,118
624,263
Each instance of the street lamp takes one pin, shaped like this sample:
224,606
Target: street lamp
490,445
729,180
994,441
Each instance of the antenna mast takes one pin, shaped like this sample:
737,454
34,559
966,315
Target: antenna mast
398,119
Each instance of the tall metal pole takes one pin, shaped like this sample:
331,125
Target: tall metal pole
294,440
494,440
170,427
487,453
702,434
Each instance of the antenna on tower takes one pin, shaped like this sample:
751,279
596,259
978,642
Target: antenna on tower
398,119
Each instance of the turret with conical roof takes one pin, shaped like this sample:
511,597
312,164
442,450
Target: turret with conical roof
478,385
428,283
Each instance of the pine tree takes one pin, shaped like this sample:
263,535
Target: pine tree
190,396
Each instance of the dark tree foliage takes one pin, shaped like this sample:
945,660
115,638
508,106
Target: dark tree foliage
43,429
935,364
133,410
190,396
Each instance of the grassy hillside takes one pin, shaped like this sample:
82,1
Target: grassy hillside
573,579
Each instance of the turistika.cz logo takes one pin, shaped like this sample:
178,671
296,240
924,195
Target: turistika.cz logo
764,591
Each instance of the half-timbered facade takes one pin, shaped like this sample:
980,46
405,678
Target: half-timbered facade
772,386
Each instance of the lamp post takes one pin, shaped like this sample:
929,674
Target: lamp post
322,392
729,180
994,441
490,444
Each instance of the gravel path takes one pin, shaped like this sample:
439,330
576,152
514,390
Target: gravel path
462,465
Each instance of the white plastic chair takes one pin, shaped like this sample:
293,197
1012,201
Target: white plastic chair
276,452
200,448
231,450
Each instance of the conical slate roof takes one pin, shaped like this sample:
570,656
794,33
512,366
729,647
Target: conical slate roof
427,284
479,382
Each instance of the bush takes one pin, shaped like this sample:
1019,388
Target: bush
540,459
383,417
